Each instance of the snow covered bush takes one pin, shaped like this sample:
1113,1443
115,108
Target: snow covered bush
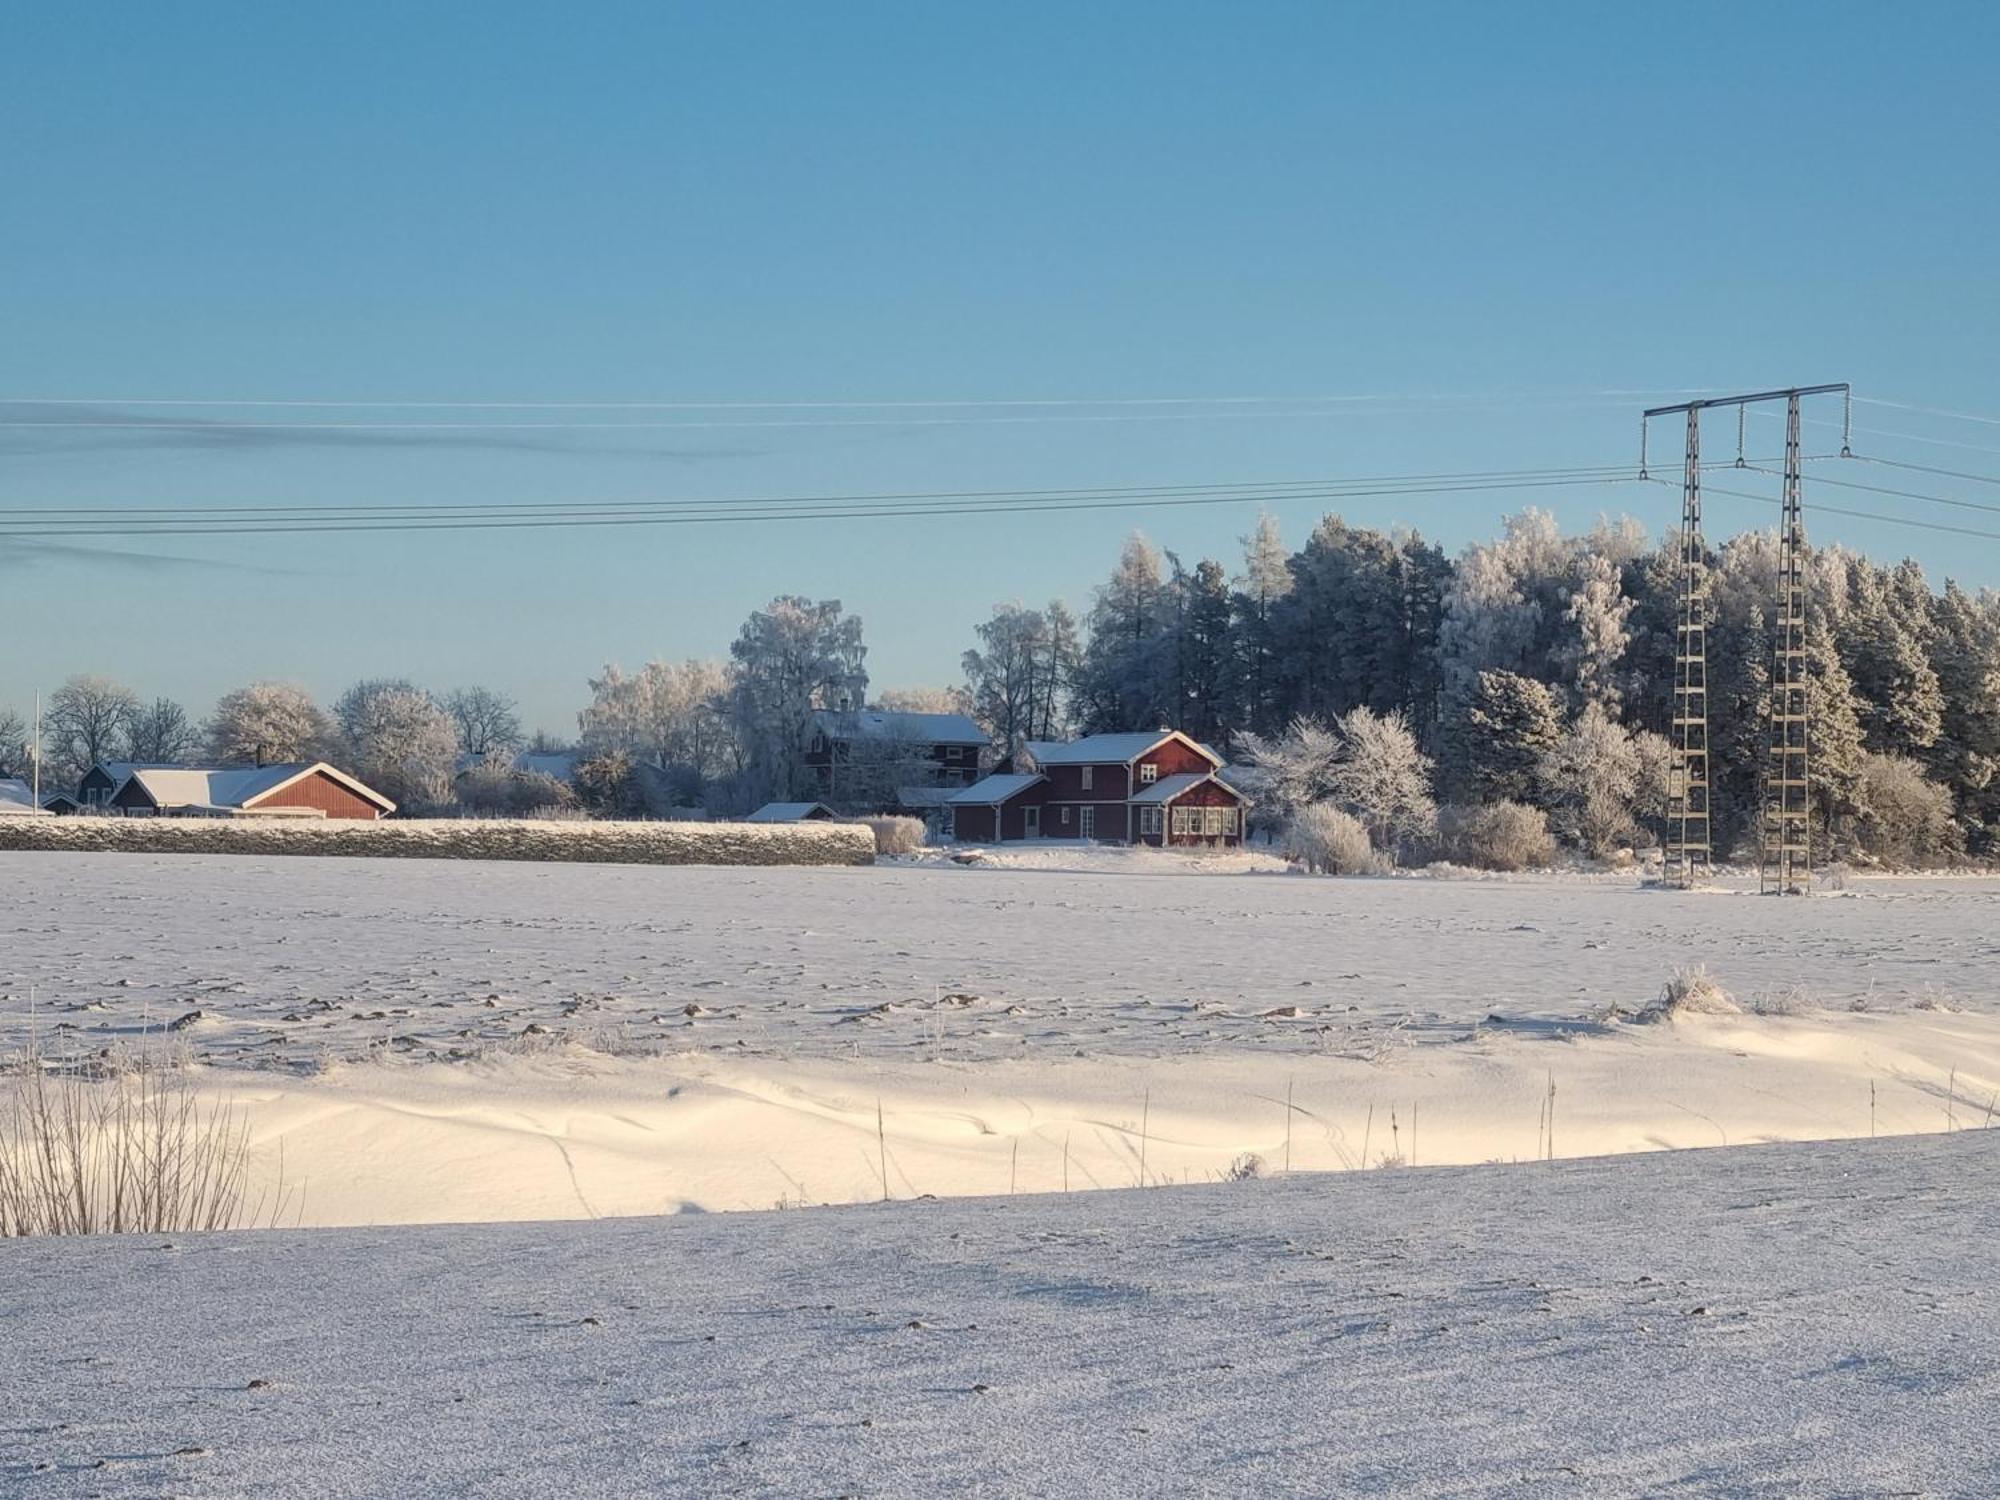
1691,992
1329,840
894,835
1905,818
1497,836
456,838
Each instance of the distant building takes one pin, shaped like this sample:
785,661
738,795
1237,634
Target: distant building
17,799
98,785
313,790
1158,787
882,759
791,812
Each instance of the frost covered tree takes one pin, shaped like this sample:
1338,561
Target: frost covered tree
793,656
1292,770
161,734
674,715
1597,633
1208,675
1128,669
1382,777
1265,580
88,720
399,740
488,722
16,758
1510,724
1902,707
1591,782
1906,819
924,700
269,723
1966,652
1005,671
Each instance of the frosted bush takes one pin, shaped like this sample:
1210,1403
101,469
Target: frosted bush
1691,992
1330,841
894,835
1497,836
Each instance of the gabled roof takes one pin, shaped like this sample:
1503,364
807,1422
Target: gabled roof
1110,749
991,791
236,788
789,812
883,724
1173,786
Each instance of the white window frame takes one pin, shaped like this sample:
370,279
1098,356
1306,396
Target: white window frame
1083,777
1086,823
1065,816
1152,820
1149,772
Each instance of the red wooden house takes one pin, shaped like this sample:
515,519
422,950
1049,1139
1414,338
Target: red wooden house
1158,787
315,790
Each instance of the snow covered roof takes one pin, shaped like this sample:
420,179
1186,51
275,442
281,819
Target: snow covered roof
1108,749
1172,786
991,791
882,724
789,812
233,788
17,798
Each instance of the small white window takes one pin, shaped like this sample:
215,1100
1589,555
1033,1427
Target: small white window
1085,781
1065,815
1148,773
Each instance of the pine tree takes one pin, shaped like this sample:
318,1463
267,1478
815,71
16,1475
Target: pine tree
1208,665
1265,580
1965,652
1511,724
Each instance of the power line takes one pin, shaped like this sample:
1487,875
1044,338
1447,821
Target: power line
1253,489
1932,411
1835,510
741,511
1894,463
842,405
1877,489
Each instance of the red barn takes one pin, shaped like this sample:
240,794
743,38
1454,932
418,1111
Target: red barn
1158,787
315,790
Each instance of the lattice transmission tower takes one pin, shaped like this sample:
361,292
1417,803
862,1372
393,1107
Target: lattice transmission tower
1784,824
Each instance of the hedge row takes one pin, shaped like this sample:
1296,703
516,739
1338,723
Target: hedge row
453,838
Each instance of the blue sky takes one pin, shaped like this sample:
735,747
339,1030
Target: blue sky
1514,207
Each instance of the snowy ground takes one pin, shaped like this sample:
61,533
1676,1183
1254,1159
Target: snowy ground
430,1042
1790,1320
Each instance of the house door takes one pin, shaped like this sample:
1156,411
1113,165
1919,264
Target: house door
1031,822
1087,822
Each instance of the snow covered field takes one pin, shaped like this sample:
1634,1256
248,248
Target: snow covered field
454,1041
1791,1320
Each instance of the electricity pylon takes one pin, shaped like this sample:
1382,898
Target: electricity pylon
1785,833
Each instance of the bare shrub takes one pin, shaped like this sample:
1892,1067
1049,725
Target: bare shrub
1328,840
1246,1168
1497,836
1691,992
132,1152
896,835
1788,1000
